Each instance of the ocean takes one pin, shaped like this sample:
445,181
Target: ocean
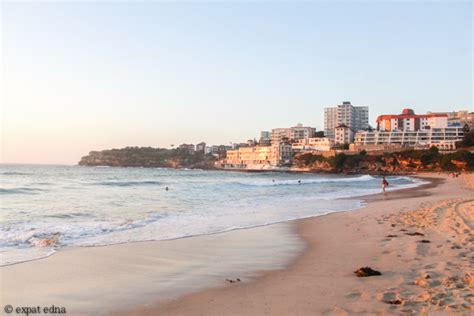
46,208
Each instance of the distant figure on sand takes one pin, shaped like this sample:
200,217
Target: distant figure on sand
166,189
299,181
384,184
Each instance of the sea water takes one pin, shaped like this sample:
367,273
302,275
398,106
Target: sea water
45,208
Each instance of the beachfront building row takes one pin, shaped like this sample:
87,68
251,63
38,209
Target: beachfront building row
443,138
257,157
354,117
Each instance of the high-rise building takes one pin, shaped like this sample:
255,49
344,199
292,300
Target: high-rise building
354,117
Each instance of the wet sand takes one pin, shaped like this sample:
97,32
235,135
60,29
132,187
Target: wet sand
280,272
110,279
421,240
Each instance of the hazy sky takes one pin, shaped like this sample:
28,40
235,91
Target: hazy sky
81,76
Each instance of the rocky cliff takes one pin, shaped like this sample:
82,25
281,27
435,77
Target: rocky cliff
400,162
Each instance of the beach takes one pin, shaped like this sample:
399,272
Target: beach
417,277
420,239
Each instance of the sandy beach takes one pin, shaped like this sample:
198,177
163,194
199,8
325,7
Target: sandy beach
421,240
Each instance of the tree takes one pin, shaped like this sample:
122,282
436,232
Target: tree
468,140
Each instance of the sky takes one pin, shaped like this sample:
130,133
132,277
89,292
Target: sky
78,76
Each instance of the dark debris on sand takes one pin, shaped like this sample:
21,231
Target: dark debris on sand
415,234
233,281
366,272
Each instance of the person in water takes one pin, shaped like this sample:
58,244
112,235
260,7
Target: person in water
384,184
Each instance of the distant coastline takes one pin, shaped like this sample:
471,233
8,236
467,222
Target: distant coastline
402,162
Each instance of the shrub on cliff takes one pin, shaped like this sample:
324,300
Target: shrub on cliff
468,139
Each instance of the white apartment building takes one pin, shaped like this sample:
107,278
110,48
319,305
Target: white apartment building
354,117
443,138
292,133
246,157
313,144
343,134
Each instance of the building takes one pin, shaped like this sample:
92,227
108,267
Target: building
301,132
265,138
280,135
187,147
409,121
208,150
292,133
313,144
459,118
354,117
238,145
245,157
215,150
257,157
201,147
252,142
343,134
283,153
443,138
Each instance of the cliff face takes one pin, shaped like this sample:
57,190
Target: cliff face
402,162
148,157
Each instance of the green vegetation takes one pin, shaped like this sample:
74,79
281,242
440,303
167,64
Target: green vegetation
468,139
399,162
147,157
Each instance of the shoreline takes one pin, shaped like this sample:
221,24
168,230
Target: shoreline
140,259
233,299
363,198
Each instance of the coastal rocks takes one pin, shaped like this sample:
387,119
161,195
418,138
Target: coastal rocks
366,272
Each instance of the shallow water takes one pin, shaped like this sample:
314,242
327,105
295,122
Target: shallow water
45,208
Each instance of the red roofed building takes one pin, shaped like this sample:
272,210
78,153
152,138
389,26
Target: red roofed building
409,121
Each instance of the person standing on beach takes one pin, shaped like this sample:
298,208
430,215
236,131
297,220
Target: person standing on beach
384,184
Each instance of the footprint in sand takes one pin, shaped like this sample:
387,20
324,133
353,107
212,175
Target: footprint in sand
354,295
422,249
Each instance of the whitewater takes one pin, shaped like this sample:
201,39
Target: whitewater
46,208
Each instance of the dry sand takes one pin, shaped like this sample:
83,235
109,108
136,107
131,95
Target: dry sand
421,274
